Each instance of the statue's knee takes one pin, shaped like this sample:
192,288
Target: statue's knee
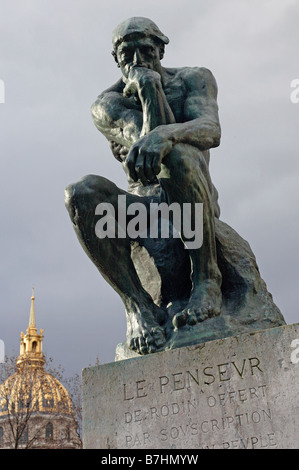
182,162
69,198
82,190
87,192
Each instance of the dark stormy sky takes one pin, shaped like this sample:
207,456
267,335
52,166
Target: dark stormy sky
55,59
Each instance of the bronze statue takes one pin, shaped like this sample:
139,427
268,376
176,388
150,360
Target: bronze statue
161,123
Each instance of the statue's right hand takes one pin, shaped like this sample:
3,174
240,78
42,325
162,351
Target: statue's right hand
139,79
145,156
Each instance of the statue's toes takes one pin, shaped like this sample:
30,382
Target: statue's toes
143,346
202,313
138,345
148,342
179,320
158,337
133,344
191,318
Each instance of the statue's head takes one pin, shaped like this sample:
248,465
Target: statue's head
141,29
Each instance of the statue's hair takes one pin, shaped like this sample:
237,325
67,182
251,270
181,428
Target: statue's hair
138,26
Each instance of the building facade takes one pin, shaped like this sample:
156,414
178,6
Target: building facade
36,410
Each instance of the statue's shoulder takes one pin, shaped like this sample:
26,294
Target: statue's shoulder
185,72
106,100
192,77
115,88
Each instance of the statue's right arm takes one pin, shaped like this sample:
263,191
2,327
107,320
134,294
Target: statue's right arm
118,118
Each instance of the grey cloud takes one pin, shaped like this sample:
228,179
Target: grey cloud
55,61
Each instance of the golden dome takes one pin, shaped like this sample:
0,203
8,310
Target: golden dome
35,390
31,388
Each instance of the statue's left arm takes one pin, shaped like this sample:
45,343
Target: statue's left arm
201,127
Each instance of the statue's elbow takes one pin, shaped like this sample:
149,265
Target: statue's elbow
210,136
216,136
217,140
95,110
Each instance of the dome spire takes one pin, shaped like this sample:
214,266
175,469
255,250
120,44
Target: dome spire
31,344
32,313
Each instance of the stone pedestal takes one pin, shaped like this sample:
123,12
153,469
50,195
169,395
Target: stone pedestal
238,392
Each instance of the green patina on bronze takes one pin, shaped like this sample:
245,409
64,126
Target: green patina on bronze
161,124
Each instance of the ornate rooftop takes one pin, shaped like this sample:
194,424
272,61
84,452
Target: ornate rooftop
31,387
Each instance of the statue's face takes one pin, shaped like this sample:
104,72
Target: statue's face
141,52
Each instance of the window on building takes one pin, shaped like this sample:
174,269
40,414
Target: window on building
1,435
24,435
49,431
48,402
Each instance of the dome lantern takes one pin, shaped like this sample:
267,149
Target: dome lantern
34,401
31,344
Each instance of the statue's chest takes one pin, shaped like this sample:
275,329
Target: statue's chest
175,94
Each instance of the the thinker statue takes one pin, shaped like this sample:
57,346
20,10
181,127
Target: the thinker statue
161,123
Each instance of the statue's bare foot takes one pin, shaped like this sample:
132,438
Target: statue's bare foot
205,302
144,334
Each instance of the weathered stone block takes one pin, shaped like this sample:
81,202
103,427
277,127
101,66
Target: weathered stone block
236,392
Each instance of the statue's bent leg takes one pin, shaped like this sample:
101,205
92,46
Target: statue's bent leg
185,178
113,259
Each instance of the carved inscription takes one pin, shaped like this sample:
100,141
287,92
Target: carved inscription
184,380
234,393
200,405
295,353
